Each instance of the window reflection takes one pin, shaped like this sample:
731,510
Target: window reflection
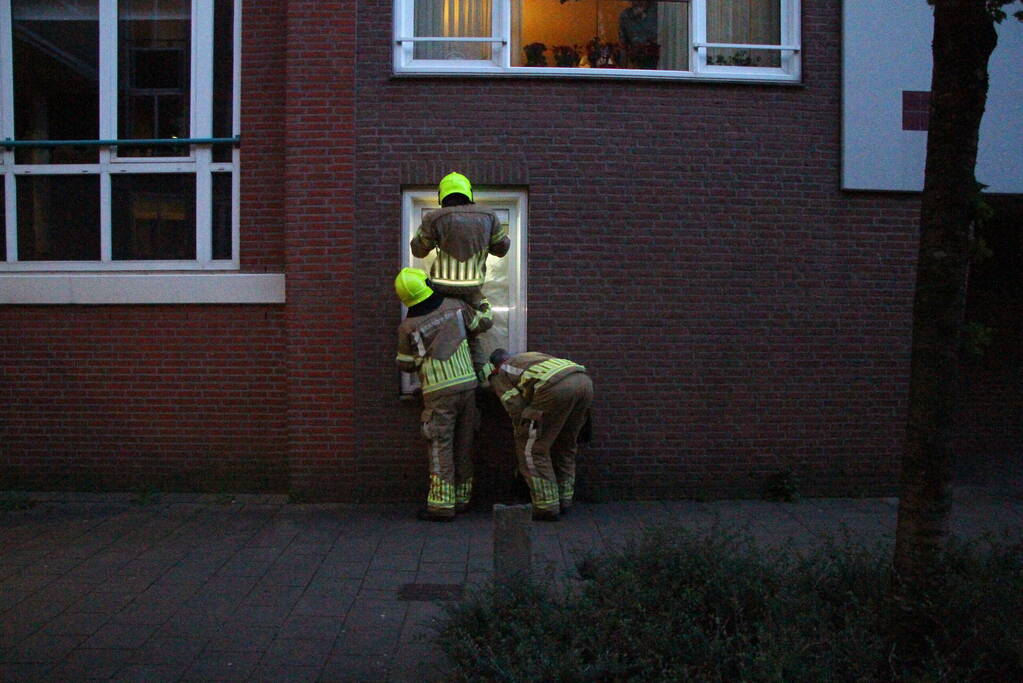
222,225
223,76
56,78
153,216
58,218
153,54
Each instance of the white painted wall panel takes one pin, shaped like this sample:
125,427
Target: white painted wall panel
886,50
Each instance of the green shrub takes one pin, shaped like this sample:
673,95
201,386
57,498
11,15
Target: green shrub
674,606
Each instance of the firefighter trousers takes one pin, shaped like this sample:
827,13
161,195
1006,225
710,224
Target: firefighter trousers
546,440
474,297
449,422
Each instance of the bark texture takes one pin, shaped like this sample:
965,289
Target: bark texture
964,37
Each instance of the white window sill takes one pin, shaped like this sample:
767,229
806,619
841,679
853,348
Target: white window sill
141,288
723,75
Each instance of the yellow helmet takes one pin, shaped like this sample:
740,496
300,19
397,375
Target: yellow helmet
411,286
452,183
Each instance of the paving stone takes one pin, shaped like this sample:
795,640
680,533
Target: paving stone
414,663
102,602
222,666
43,647
120,636
301,652
311,627
266,594
24,672
76,623
395,561
422,622
263,615
274,673
333,571
148,673
372,627
90,664
386,579
168,650
242,637
191,623
355,668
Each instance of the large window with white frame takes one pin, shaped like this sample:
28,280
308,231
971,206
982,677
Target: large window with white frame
709,39
505,283
119,122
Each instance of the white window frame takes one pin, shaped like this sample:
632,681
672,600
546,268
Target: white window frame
414,201
790,48
199,163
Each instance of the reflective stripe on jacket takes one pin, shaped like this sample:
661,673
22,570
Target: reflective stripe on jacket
463,236
435,345
521,376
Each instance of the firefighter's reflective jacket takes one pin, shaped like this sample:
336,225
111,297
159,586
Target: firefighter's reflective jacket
435,345
463,236
521,376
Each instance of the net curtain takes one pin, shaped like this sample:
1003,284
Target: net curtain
453,18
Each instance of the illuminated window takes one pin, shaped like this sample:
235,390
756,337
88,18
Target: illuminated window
724,39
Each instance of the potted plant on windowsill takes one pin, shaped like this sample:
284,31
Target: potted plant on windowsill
603,55
566,55
535,54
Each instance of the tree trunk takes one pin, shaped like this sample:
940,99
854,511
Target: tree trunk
964,37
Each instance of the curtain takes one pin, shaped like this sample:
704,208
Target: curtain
673,35
455,18
744,21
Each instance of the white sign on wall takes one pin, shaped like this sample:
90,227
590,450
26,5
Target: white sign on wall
886,54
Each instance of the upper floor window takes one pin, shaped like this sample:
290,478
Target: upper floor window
709,39
117,120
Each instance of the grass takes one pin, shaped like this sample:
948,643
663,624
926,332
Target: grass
674,606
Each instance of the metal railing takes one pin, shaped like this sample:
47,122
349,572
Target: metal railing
151,142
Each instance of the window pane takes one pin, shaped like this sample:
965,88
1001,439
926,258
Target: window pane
56,78
453,18
221,215
153,63
756,22
632,34
58,218
153,216
3,220
223,75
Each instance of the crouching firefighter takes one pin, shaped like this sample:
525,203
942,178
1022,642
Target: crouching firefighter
548,400
463,235
433,342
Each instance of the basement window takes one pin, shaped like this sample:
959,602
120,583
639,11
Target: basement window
505,284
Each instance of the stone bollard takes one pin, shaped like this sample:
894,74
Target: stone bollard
513,546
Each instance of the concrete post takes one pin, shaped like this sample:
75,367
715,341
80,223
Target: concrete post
513,546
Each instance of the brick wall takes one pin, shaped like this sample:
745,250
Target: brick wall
119,397
688,242
172,397
318,216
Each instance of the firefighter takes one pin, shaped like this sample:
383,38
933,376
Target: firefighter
433,342
463,235
548,400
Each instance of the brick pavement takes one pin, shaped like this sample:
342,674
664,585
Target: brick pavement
181,587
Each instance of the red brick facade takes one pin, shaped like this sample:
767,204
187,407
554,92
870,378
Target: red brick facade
689,242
